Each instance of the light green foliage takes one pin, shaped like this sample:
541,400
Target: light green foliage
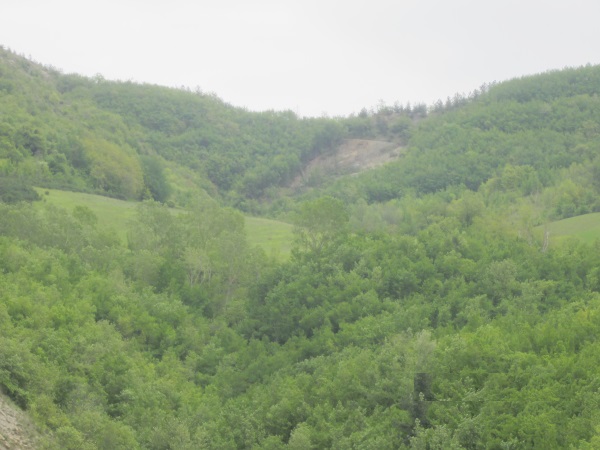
273,236
349,352
114,170
585,227
111,213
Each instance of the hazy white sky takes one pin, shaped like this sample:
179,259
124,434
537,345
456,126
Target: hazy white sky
310,56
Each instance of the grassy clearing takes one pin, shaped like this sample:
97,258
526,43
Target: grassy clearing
111,213
273,236
585,228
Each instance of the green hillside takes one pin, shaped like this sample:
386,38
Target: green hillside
515,138
111,213
273,236
119,138
585,228
414,305
133,141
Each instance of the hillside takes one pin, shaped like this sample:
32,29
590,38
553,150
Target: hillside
513,130
133,141
274,237
418,307
138,141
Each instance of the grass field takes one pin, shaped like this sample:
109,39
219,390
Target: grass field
111,213
273,236
585,228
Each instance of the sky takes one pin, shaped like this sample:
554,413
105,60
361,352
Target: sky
314,57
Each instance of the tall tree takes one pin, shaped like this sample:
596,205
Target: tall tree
319,222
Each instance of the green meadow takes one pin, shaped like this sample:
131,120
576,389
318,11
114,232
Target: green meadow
111,213
273,236
585,227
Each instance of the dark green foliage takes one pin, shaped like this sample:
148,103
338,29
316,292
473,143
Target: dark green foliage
14,190
154,178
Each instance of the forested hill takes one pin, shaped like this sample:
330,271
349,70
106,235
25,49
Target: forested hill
425,305
522,134
118,138
135,141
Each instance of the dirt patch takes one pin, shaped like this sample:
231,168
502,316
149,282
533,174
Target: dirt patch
352,156
15,428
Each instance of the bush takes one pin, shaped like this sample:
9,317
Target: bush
14,190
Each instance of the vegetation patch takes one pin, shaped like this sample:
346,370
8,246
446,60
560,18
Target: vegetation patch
111,213
273,236
585,227
14,190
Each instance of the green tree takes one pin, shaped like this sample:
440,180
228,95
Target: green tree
14,190
154,178
319,222
114,169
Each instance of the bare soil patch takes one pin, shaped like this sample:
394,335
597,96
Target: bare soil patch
352,156
15,428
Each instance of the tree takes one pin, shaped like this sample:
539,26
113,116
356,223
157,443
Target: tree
114,169
14,190
319,222
154,178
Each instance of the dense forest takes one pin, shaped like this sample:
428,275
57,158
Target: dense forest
423,305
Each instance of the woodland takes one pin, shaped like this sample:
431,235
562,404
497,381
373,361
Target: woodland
424,304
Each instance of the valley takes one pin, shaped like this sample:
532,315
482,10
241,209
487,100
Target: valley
181,273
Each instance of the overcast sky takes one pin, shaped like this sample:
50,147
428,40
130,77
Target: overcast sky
310,56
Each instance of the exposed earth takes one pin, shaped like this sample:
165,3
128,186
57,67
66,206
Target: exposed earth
352,156
15,427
